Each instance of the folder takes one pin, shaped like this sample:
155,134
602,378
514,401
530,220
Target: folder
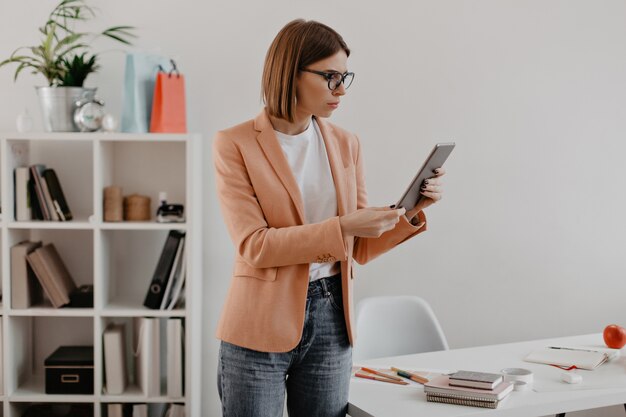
579,357
175,358
146,342
115,358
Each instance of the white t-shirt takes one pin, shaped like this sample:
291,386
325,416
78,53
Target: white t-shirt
307,157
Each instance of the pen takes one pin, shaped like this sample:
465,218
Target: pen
579,350
373,371
410,375
381,379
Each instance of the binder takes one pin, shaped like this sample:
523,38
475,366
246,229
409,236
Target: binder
156,291
175,275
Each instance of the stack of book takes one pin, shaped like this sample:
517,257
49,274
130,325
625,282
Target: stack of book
38,195
477,389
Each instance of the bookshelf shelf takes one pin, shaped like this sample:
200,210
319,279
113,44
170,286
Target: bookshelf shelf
142,226
33,390
40,224
132,394
52,312
128,310
117,258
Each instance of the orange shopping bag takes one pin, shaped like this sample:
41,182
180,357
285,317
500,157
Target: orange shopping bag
168,104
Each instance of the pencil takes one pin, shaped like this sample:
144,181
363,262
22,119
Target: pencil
373,371
380,378
410,375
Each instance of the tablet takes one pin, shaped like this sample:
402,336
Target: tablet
435,160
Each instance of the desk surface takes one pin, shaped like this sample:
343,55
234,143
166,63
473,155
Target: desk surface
601,387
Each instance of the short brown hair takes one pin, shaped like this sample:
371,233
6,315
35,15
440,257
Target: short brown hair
297,45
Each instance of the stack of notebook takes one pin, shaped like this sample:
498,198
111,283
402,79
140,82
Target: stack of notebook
477,389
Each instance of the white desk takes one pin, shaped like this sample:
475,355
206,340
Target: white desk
379,399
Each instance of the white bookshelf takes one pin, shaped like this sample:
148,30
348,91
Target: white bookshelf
118,259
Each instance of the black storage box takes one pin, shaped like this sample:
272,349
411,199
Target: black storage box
59,410
69,370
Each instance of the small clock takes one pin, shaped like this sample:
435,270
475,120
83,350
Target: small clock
88,114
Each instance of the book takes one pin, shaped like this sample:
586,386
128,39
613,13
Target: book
482,380
35,177
119,410
580,357
174,275
35,209
158,284
54,215
25,289
146,343
460,400
175,358
114,342
140,410
52,273
441,386
175,410
22,200
56,194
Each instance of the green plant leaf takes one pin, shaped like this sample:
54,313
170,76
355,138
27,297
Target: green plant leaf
69,39
55,56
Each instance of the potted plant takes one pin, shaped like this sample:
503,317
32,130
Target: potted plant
59,59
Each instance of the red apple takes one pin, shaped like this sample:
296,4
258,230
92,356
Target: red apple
614,336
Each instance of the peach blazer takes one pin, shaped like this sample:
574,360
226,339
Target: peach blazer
263,211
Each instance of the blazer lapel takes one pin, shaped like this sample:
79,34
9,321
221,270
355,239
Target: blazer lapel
336,165
274,153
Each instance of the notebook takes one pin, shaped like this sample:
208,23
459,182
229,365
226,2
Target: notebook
581,358
451,399
440,386
475,379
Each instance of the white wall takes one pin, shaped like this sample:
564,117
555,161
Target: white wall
529,239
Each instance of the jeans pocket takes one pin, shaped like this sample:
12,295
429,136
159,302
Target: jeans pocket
336,304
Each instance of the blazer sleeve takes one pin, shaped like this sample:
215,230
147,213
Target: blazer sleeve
366,249
260,245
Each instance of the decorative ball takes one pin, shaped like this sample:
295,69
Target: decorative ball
109,123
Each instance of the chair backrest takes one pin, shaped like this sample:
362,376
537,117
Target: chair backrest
396,325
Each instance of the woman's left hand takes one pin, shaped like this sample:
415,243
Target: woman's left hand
432,190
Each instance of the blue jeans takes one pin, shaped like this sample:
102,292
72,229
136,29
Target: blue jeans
315,374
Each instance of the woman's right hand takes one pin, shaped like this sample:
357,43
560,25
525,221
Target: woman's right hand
370,221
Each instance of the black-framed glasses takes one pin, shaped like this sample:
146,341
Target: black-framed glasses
334,78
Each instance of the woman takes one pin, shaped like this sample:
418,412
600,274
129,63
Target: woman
292,192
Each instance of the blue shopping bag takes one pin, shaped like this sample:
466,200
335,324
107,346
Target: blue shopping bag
139,80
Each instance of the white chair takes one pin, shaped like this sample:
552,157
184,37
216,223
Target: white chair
395,325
